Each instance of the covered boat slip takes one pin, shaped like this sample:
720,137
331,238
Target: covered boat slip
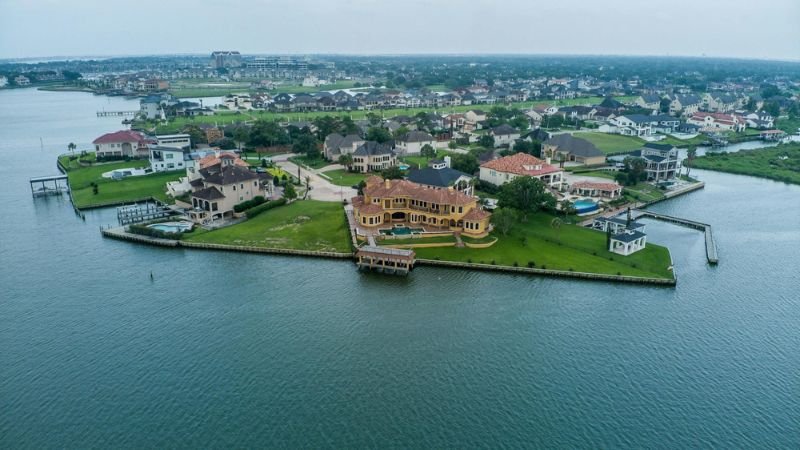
49,185
386,260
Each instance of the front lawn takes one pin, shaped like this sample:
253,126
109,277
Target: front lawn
569,247
316,163
421,162
302,225
342,177
125,190
612,143
643,192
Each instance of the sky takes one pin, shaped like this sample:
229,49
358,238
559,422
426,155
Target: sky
764,29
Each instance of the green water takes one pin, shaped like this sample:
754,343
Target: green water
236,350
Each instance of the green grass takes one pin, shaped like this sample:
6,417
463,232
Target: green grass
643,192
115,191
580,249
597,173
612,143
472,240
763,163
789,125
302,225
421,161
342,177
317,163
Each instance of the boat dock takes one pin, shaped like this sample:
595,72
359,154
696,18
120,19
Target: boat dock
711,247
142,212
385,260
116,113
49,185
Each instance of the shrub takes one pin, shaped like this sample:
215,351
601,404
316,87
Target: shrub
516,264
469,260
544,267
493,262
531,264
245,205
252,212
152,232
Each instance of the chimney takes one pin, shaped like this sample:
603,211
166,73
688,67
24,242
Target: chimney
547,160
388,183
447,161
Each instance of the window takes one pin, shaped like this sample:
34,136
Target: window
234,187
169,155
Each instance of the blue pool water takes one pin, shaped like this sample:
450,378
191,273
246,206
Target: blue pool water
402,231
584,206
171,227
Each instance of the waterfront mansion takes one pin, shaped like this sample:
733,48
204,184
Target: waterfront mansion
401,201
502,170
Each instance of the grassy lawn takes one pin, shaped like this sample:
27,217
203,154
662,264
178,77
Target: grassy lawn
302,225
113,191
612,143
597,173
643,192
780,163
569,247
421,161
341,177
317,163
423,240
277,172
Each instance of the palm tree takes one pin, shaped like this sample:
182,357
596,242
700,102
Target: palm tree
308,187
690,155
556,225
71,147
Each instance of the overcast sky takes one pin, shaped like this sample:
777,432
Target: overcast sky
738,28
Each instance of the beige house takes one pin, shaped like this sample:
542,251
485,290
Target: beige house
565,147
412,142
121,144
502,170
373,157
221,187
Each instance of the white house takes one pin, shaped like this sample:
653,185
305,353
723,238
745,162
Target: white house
3,81
718,121
174,140
633,125
504,135
121,144
412,142
164,159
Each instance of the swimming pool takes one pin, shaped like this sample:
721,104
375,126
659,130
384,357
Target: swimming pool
172,227
402,231
584,206
404,166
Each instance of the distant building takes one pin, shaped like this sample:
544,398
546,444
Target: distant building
412,142
504,135
174,140
717,121
22,80
3,81
336,145
565,147
225,59
439,175
608,190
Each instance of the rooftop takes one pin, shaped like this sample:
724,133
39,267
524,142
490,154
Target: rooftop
521,164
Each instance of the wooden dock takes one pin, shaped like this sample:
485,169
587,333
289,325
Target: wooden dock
142,212
385,260
711,247
116,113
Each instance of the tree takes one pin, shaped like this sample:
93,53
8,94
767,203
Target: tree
241,135
346,160
504,219
452,145
268,133
530,147
526,194
71,147
427,151
486,141
289,193
196,135
392,173
378,134
373,118
327,125
568,208
663,105
306,144
349,127
308,187
690,155
556,225
467,163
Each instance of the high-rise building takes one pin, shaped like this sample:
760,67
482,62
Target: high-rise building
225,59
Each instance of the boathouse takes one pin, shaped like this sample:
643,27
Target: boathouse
386,260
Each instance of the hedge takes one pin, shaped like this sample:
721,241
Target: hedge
245,205
152,232
252,212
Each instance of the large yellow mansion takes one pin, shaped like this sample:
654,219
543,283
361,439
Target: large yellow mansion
388,201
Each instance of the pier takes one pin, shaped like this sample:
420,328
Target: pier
116,113
142,212
385,260
49,185
711,247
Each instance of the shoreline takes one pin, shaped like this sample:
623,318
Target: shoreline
119,233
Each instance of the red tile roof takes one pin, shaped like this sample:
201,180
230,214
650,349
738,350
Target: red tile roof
521,164
120,136
210,160
476,215
377,187
600,186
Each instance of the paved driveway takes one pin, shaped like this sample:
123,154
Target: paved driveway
321,189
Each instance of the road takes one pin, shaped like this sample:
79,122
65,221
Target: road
321,189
